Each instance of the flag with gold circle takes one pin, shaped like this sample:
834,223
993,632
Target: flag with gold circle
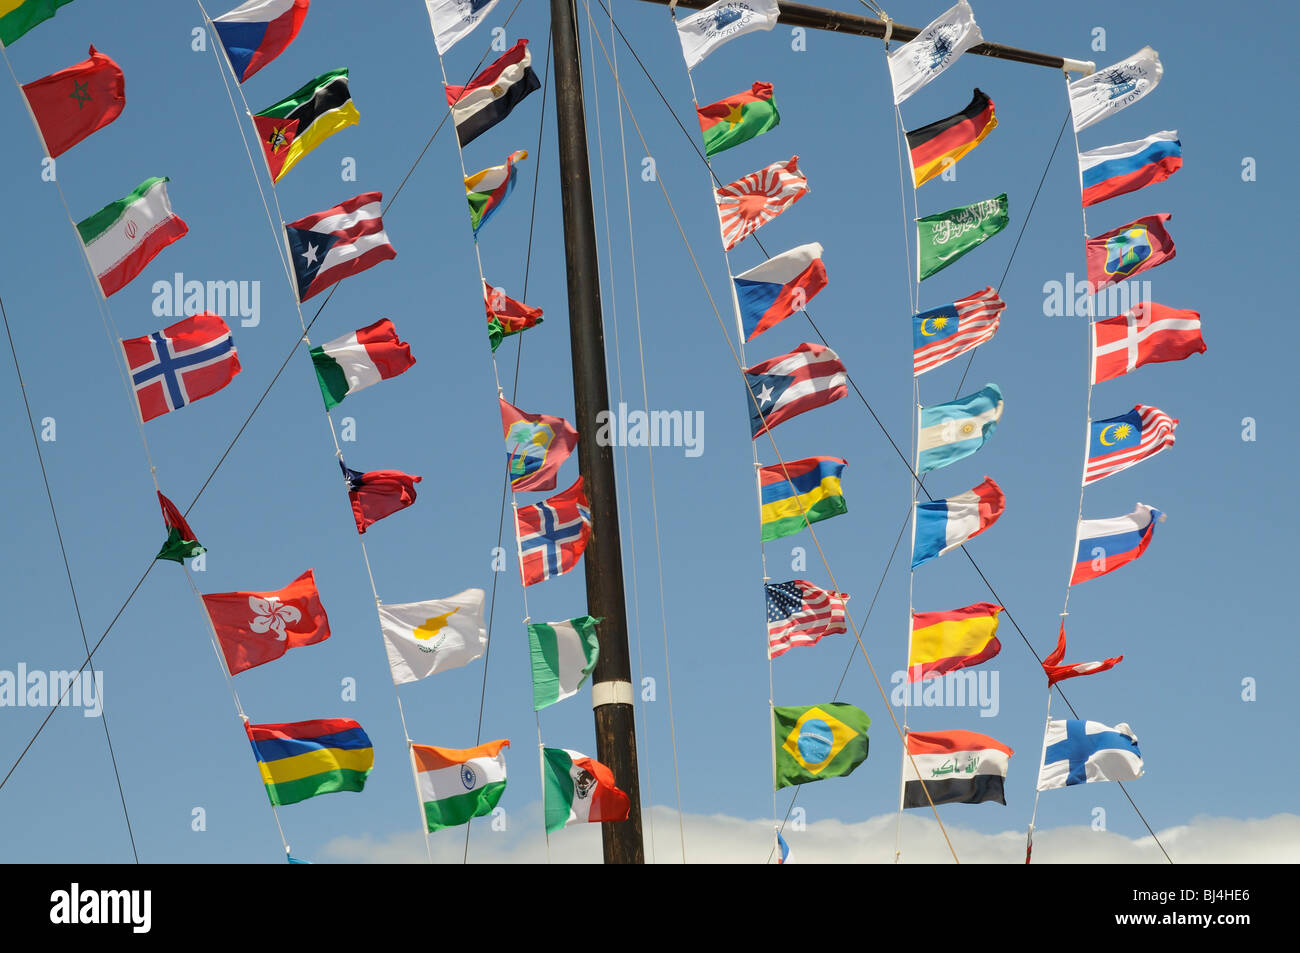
818,741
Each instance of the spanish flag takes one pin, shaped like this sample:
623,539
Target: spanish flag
800,492
943,642
935,147
299,123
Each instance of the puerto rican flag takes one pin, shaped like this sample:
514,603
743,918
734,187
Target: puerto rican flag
1117,443
943,525
779,287
181,363
256,32
809,376
337,243
943,333
552,534
1147,333
1128,166
798,613
1105,545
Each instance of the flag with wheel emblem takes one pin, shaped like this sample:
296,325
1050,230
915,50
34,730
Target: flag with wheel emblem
747,204
337,243
552,534
819,741
181,363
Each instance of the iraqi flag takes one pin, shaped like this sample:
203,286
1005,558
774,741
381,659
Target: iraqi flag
957,767
1147,333
552,534
1129,250
778,288
1105,545
337,243
1055,671
783,387
940,334
490,96
747,204
358,359
1117,443
943,525
124,236
1128,166
1080,752
181,363
579,790
256,32
71,104
536,447
378,493
258,627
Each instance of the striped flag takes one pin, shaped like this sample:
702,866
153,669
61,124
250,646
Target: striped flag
934,148
943,525
1105,545
124,236
490,96
953,431
1147,333
301,759
337,243
943,642
783,387
747,204
579,789
943,333
358,359
957,767
798,613
457,784
303,120
487,190
1128,166
563,654
256,32
799,492
1117,443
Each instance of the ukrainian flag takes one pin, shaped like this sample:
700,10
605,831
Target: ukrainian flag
812,490
301,759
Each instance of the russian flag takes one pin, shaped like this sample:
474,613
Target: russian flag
1105,545
945,524
256,32
1129,166
779,287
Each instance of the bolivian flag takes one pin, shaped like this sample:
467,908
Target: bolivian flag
738,118
299,123
935,147
800,492
943,642
301,759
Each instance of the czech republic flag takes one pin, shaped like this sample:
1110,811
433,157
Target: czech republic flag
256,32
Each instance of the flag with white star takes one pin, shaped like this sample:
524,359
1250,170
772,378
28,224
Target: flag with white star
337,243
809,376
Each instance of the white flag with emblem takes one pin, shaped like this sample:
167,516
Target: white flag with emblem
933,50
702,33
1109,90
427,637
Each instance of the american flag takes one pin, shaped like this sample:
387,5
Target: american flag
798,613
1119,442
944,333
748,203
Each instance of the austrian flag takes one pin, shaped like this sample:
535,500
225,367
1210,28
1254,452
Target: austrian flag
552,534
181,363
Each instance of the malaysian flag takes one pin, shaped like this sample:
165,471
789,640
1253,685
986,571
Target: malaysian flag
798,613
944,333
751,202
1119,442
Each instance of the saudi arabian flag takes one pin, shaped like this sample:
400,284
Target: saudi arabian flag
457,784
819,741
563,653
124,236
944,237
737,119
19,16
364,357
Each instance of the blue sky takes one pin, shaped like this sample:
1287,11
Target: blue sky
1203,610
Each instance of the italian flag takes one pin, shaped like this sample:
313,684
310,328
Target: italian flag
457,784
124,236
368,356
579,789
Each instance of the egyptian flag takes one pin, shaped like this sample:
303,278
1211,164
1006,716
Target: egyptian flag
957,767
935,147
1055,671
71,104
778,288
492,94
737,119
378,493
1129,250
337,243
506,316
181,542
303,120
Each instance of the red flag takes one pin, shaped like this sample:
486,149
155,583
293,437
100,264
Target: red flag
536,447
749,203
174,518
506,316
378,493
258,627
71,104
1129,250
1147,333
552,534
1055,671
176,366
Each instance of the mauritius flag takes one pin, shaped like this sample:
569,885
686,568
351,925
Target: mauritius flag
256,32
19,16
300,759
737,119
800,492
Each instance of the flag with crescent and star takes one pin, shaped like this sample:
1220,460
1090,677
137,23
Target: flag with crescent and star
1117,443
940,334
433,636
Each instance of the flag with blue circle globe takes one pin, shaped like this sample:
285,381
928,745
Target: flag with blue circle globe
819,741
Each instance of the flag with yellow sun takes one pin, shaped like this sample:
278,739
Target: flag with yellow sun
737,119
433,636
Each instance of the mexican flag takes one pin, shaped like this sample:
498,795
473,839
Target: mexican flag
364,357
579,789
563,655
124,236
457,784
737,119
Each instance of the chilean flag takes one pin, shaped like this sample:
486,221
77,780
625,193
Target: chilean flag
1105,545
378,493
943,525
1128,166
256,32
783,387
779,287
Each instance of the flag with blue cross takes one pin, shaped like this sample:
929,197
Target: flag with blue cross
552,534
181,363
1079,752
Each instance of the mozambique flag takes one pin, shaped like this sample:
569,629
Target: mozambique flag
299,123
737,119
300,759
819,741
798,489
935,147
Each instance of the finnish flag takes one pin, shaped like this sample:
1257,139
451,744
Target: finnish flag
1079,752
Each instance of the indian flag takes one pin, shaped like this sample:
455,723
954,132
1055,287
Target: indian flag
563,655
457,784
579,789
364,357
124,236
19,16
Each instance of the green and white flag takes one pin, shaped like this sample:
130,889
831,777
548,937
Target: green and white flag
457,784
364,357
579,789
563,653
944,237
124,236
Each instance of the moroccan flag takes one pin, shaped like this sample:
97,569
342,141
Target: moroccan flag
378,493
737,119
300,759
71,104
19,16
490,96
256,32
944,237
486,190
124,236
1055,671
432,636
337,243
536,447
747,204
458,784
935,147
800,492
1147,333
553,534
506,316
819,741
782,387
258,627
357,360
957,767
181,542
193,358
297,124
579,790
943,642
563,655
1129,250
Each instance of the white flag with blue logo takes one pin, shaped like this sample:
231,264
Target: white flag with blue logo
933,50
702,33
453,19
952,431
1079,752
1109,90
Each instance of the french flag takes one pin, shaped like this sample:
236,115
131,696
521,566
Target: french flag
779,287
256,32
943,525
1129,166
1105,545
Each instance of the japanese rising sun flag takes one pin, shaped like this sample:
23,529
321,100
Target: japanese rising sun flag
749,203
71,104
457,784
190,359
1118,443
1147,333
339,242
258,627
124,236
579,790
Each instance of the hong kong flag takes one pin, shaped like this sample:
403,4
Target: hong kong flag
181,363
258,627
552,534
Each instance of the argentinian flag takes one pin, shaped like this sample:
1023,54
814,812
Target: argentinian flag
957,429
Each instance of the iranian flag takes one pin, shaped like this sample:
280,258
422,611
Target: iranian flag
124,236
579,789
364,357
457,784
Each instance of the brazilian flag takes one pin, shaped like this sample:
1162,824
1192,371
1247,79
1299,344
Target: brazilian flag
819,741
299,123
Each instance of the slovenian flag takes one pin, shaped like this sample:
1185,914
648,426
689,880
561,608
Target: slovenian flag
779,287
486,190
955,430
943,525
1105,545
256,32
783,387
1128,166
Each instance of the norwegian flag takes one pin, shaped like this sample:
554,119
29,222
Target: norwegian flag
1147,333
798,613
748,203
552,534
1119,442
944,333
181,363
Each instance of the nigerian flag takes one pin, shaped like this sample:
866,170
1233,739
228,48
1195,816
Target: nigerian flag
819,741
563,654
944,237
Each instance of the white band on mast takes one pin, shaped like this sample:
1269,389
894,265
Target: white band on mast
611,693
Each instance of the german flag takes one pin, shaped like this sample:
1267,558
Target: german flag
299,123
935,147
